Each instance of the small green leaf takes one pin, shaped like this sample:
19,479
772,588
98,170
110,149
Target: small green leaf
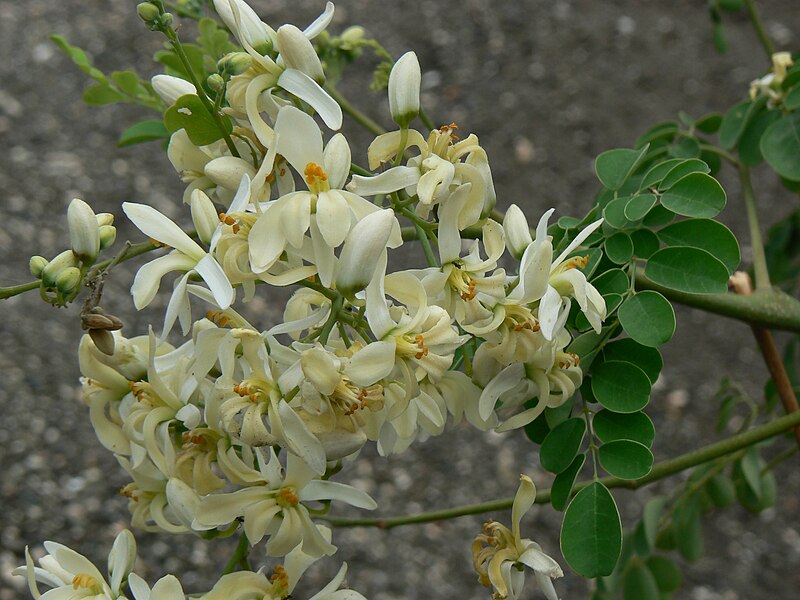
651,517
696,195
614,213
537,429
659,135
688,529
721,490
750,142
613,281
562,444
127,81
792,99
657,173
751,469
638,206
189,113
646,358
591,534
734,122
585,344
620,386
648,318
559,414
658,216
609,426
666,573
626,459
100,94
730,5
686,147
645,242
619,248
78,57
613,167
681,170
687,270
706,234
780,146
640,584
562,486
709,123
143,131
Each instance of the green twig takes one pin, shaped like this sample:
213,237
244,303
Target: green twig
239,555
759,258
355,114
770,308
659,471
755,18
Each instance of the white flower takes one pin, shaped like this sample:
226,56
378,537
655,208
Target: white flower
166,588
497,552
84,231
72,576
187,256
276,507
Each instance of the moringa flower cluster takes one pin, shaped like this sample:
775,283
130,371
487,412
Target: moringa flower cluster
244,424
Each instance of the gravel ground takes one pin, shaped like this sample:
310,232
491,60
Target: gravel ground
546,85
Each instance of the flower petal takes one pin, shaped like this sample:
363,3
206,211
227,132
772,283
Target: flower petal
158,226
301,85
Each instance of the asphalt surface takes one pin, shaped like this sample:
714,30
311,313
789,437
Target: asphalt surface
546,85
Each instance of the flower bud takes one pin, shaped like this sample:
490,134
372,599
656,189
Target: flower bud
37,265
298,53
84,234
216,82
63,261
104,219
234,63
204,215
171,88
250,28
147,11
68,280
404,83
166,20
353,34
518,235
227,171
364,246
121,558
108,235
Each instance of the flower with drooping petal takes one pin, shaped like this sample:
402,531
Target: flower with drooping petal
73,577
497,553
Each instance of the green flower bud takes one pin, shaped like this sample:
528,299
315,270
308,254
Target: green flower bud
68,280
53,269
147,11
108,235
37,264
166,20
234,63
216,82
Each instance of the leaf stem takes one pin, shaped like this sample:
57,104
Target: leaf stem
759,258
355,114
239,555
755,18
659,471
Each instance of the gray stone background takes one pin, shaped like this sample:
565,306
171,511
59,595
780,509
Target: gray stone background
546,85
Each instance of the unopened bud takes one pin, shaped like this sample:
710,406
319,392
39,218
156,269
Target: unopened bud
298,53
108,235
53,269
147,11
362,249
170,88
518,235
166,20
104,219
352,34
68,280
216,82
227,171
37,264
204,215
404,84
84,234
234,63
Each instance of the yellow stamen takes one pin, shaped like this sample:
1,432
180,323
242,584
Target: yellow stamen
84,580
